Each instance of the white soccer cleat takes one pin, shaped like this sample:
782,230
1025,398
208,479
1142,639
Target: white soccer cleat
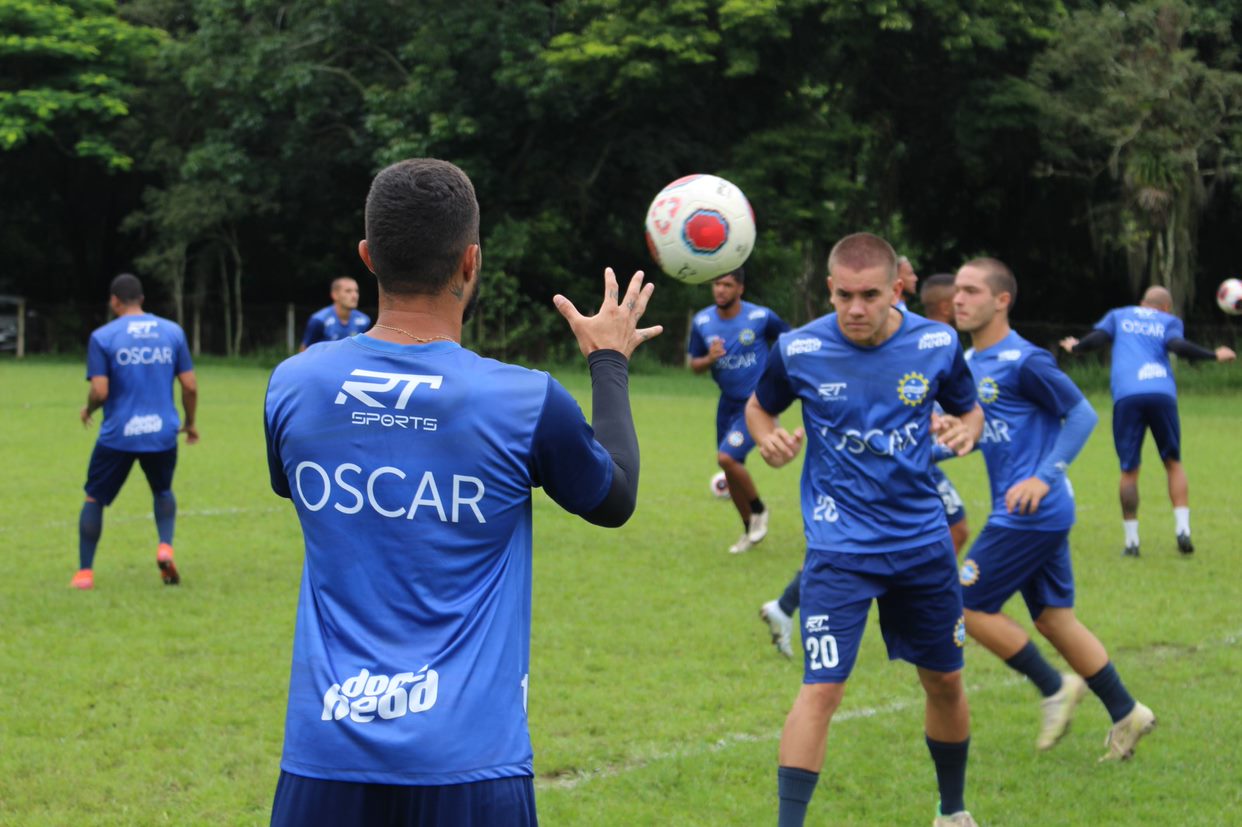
780,625
1058,710
743,544
758,526
958,819
1125,734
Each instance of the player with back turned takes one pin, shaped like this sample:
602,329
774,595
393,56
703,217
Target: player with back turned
410,461
867,376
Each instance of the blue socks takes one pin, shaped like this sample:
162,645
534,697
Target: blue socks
90,526
795,787
1107,686
1031,663
792,596
950,760
165,516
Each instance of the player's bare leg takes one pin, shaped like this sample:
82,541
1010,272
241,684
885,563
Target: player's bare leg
960,532
946,722
1129,495
743,492
803,743
1179,495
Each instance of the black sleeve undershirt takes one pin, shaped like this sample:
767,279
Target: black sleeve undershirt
1189,350
614,429
1094,340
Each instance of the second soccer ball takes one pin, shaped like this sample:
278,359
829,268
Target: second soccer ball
720,485
1229,296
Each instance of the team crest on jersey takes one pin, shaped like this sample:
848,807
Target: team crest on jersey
988,390
959,632
747,336
913,388
735,439
968,574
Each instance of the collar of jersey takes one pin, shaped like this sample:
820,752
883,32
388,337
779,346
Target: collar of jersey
363,340
1005,343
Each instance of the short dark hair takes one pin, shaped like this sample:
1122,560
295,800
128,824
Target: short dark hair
421,216
936,282
738,274
862,251
999,277
337,281
127,288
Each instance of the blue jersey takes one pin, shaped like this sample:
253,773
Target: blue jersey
866,483
1024,396
1140,357
140,355
411,469
746,337
325,326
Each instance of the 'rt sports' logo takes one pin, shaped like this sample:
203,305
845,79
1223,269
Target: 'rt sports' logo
391,381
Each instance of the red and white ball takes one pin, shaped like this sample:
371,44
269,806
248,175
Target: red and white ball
1229,296
719,485
700,227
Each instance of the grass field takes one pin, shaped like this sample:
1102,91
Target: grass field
655,696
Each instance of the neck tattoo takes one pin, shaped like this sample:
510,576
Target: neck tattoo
421,339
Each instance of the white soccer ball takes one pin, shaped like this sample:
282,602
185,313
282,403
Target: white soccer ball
1229,296
700,227
719,485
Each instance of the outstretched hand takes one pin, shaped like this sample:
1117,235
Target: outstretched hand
615,326
1225,354
1068,344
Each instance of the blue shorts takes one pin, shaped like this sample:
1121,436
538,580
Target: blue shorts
302,801
1134,415
109,468
1007,560
732,435
954,508
920,609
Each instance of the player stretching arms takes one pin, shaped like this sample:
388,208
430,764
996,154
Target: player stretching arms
1145,397
937,297
338,320
867,376
1037,421
732,339
131,363
410,461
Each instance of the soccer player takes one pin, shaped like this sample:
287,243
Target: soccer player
731,339
131,362
1036,422
937,297
410,461
909,280
867,376
1145,398
339,320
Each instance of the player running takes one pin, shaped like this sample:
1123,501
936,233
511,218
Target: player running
867,376
1036,423
731,339
339,320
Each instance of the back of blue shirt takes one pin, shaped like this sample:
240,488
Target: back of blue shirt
1140,350
746,337
411,469
866,483
1024,397
325,326
140,354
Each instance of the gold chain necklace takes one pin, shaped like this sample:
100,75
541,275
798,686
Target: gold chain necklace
412,336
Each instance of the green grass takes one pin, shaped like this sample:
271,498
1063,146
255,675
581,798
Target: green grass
655,697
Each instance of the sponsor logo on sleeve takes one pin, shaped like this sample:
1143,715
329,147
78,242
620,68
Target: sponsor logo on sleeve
940,338
806,345
702,319
757,314
1009,356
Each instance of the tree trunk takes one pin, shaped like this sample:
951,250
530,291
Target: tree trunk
225,295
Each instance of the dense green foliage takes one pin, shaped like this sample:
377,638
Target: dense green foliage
222,148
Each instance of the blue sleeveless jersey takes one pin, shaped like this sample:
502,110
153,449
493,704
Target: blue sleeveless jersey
1024,397
866,481
411,469
141,355
747,338
1140,361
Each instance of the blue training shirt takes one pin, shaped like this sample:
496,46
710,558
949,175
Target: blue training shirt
747,337
1024,397
411,469
866,483
1140,362
140,354
325,326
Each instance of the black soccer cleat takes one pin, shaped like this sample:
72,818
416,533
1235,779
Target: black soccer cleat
1130,551
1184,545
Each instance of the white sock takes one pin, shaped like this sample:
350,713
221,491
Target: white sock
1131,527
1181,516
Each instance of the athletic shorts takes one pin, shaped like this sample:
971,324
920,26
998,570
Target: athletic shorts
954,508
302,801
1134,415
1007,560
732,435
920,609
109,468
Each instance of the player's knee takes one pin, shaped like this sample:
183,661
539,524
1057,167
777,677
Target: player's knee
1052,621
942,686
726,462
823,698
